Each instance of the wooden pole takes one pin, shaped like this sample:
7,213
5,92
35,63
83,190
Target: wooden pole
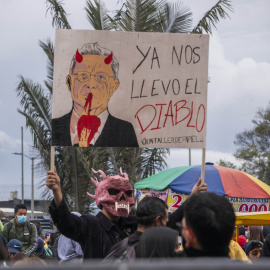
52,157
203,166
237,233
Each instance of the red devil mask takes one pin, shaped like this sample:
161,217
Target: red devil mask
114,193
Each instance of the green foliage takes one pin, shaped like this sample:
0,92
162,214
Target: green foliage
48,48
254,146
227,164
97,15
212,17
59,15
175,18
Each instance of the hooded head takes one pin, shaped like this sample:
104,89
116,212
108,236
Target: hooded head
114,193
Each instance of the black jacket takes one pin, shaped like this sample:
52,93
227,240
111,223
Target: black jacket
115,133
96,234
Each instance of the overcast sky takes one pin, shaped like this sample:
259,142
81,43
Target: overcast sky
239,68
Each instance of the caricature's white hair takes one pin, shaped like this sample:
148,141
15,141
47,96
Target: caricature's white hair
95,49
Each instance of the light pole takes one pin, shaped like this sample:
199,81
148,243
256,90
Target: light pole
32,195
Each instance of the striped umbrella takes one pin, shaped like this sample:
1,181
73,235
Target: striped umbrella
221,180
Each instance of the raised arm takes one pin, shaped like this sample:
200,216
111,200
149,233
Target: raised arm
69,225
53,183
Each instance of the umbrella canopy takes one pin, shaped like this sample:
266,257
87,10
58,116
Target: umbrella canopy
221,180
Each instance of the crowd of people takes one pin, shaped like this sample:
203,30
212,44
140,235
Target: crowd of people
203,226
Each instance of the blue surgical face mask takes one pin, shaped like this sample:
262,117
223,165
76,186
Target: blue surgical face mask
246,234
21,219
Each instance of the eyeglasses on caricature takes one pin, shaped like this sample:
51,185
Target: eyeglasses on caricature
84,76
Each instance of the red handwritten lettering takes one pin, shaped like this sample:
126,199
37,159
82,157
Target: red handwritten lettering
178,199
177,114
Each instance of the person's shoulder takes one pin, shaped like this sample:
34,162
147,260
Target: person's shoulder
34,228
9,224
90,218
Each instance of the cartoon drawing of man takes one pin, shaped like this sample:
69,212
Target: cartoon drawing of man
92,80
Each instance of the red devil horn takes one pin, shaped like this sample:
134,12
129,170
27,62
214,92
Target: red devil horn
79,57
124,174
101,172
108,59
95,182
92,196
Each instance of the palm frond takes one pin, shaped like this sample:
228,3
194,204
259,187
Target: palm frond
139,15
97,16
37,131
34,101
48,48
59,15
175,18
153,160
212,17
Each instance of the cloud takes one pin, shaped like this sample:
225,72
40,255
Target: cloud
180,157
235,93
9,143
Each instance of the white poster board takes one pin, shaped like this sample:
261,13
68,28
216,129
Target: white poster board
159,92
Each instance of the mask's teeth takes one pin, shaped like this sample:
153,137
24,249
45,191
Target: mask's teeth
116,206
128,208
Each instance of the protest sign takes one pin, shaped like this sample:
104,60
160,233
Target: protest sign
130,89
249,204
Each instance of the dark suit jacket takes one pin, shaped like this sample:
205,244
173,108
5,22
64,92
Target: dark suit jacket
115,133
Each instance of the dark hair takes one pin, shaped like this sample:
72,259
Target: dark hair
149,208
19,206
266,231
251,245
157,242
3,251
36,223
211,218
256,233
242,230
266,247
52,239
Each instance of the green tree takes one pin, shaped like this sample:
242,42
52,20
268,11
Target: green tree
227,164
253,146
73,164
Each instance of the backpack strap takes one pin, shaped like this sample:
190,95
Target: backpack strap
29,227
9,225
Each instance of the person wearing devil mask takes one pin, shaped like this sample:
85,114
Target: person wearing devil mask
97,234
92,80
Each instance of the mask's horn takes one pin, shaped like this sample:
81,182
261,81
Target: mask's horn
101,172
78,57
95,182
92,196
124,174
108,59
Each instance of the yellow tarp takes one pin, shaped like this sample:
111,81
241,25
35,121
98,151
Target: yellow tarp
252,218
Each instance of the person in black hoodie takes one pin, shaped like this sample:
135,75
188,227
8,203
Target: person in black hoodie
97,234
